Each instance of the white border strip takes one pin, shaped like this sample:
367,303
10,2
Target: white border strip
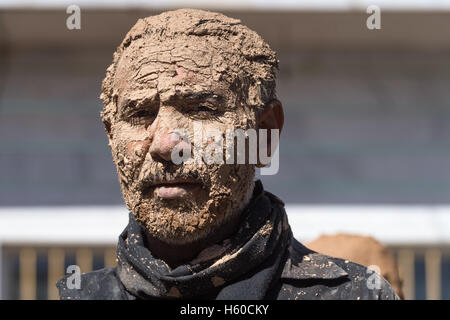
101,225
393,225
343,5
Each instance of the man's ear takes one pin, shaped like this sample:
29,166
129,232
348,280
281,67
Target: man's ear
270,117
107,123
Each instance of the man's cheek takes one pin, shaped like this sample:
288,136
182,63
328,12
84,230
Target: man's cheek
126,156
136,150
133,154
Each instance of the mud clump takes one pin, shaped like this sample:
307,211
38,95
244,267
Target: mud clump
363,250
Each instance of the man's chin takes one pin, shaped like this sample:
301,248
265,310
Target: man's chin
180,238
167,222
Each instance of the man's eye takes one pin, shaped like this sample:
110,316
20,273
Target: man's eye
203,111
142,117
141,114
206,108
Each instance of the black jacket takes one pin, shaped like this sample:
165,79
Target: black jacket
262,265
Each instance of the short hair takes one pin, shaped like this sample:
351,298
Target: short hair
257,62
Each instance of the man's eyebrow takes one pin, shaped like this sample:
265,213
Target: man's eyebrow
137,99
201,95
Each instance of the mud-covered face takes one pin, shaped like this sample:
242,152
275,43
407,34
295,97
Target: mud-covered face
160,88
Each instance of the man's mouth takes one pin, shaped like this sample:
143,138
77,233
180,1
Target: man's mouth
174,189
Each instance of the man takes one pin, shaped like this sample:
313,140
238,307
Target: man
202,229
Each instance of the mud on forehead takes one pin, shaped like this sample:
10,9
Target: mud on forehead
176,67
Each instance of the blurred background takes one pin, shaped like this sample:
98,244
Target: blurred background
365,149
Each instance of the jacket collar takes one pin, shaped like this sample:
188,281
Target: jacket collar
303,263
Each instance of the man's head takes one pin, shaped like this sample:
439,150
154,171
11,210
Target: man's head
171,71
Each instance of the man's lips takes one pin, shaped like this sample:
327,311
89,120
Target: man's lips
174,189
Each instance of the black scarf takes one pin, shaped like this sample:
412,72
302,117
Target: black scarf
245,269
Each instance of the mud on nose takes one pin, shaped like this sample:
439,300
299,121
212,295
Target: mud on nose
162,146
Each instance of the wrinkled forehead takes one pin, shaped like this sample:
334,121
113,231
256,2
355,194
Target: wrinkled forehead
173,67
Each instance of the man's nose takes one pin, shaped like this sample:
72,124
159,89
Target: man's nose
162,145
